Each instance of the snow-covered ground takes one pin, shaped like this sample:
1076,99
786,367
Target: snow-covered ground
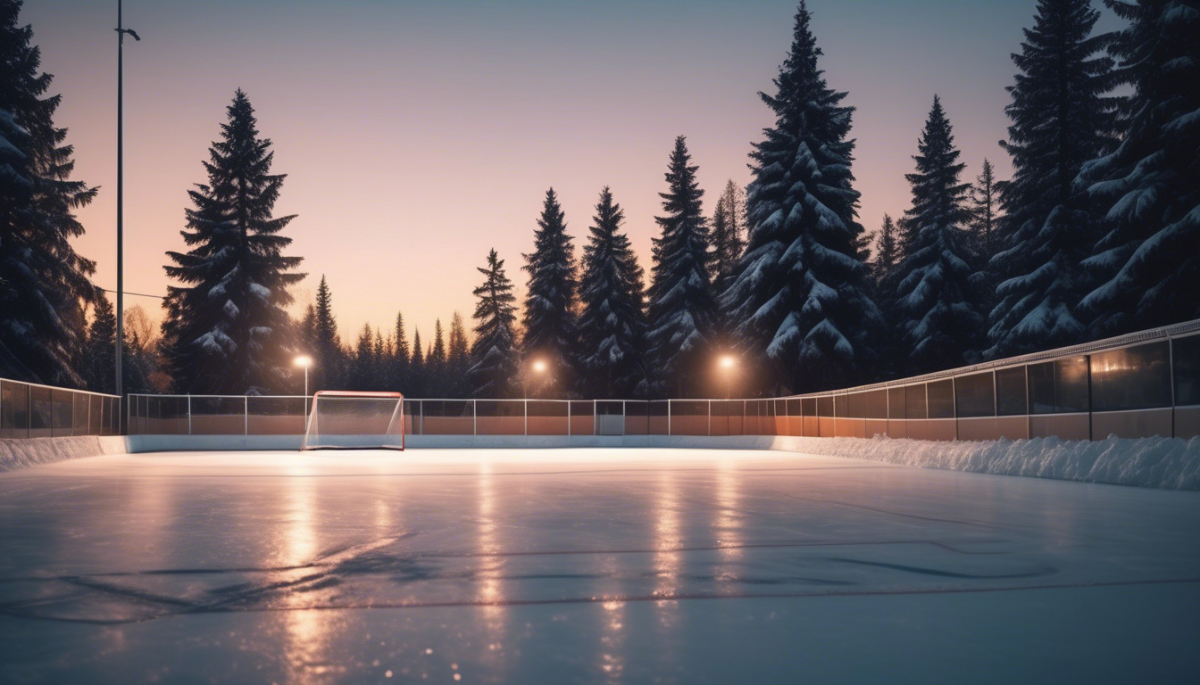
623,565
1169,463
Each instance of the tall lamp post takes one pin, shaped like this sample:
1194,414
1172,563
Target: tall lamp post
304,361
121,31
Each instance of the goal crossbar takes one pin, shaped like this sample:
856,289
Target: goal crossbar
342,419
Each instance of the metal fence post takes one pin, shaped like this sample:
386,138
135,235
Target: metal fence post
246,415
669,418
526,403
474,417
189,407
568,418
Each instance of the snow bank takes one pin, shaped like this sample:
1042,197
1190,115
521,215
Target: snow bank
1168,463
21,454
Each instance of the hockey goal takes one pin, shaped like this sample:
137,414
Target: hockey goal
355,420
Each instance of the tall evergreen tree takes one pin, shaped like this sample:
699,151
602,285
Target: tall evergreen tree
44,283
435,364
458,358
329,362
437,357
985,213
1147,266
728,236
887,250
416,366
362,374
494,360
401,354
227,328
801,299
96,362
612,324
549,317
937,309
683,310
1062,116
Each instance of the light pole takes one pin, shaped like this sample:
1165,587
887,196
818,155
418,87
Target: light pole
304,361
121,31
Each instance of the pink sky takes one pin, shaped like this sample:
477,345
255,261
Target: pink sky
416,136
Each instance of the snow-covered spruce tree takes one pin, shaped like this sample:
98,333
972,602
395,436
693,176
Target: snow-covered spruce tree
227,328
683,310
44,283
802,300
727,235
936,312
1147,267
1062,116
549,316
494,360
612,323
985,213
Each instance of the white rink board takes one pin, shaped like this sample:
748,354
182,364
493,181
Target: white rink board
587,565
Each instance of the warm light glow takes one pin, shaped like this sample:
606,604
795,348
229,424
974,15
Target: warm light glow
539,366
303,360
727,362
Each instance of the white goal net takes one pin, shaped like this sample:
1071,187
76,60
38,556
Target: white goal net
355,420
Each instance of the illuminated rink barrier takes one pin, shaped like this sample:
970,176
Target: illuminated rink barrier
1140,385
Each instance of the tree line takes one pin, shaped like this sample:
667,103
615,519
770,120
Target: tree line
1097,233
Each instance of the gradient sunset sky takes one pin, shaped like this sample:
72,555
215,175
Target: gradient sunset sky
417,135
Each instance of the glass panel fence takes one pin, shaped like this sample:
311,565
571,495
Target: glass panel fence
1132,378
975,395
1186,354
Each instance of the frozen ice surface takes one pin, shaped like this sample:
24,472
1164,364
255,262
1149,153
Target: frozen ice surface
590,566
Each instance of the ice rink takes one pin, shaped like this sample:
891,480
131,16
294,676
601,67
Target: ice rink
587,566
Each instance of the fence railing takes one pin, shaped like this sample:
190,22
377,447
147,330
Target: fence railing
1139,385
30,410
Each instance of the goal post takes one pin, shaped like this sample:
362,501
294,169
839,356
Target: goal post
343,419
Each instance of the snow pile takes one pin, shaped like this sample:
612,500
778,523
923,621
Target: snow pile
1169,463
22,454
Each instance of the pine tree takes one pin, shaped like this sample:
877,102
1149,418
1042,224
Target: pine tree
683,310
937,309
362,364
399,368
1147,266
549,318
728,242
416,367
329,362
1062,116
458,358
887,250
802,298
44,283
493,371
985,213
435,364
612,324
97,362
227,327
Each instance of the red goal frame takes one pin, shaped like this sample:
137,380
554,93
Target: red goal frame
398,413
